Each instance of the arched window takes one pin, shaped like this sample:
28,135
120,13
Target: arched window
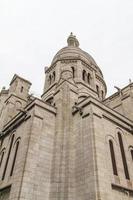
53,76
14,158
50,79
22,88
89,78
102,93
112,153
2,156
84,75
97,88
123,157
8,156
73,72
132,154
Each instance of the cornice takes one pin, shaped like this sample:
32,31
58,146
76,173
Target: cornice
50,68
108,113
14,123
87,86
5,186
74,60
122,188
24,115
54,84
88,66
16,97
40,103
116,94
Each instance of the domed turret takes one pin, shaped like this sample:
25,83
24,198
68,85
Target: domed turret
86,73
73,51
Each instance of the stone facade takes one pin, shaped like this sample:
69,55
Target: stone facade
73,143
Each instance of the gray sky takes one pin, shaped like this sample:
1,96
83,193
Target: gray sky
32,31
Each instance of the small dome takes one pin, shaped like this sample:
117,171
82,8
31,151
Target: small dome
72,51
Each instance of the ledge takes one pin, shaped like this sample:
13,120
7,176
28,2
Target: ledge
107,113
122,188
14,123
8,186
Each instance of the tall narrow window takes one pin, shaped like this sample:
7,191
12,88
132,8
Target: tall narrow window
102,93
112,153
84,75
8,156
2,156
73,72
132,154
22,88
50,79
97,88
123,157
89,78
53,76
14,158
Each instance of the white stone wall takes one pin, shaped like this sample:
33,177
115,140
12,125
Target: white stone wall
105,129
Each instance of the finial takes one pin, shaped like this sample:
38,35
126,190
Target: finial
3,88
45,68
72,40
130,81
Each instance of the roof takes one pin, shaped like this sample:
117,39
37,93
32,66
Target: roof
16,76
72,51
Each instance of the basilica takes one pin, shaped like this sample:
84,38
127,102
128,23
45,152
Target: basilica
72,143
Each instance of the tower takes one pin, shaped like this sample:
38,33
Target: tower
73,143
85,73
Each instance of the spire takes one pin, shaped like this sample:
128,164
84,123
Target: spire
72,41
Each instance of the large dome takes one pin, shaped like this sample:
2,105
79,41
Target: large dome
72,51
